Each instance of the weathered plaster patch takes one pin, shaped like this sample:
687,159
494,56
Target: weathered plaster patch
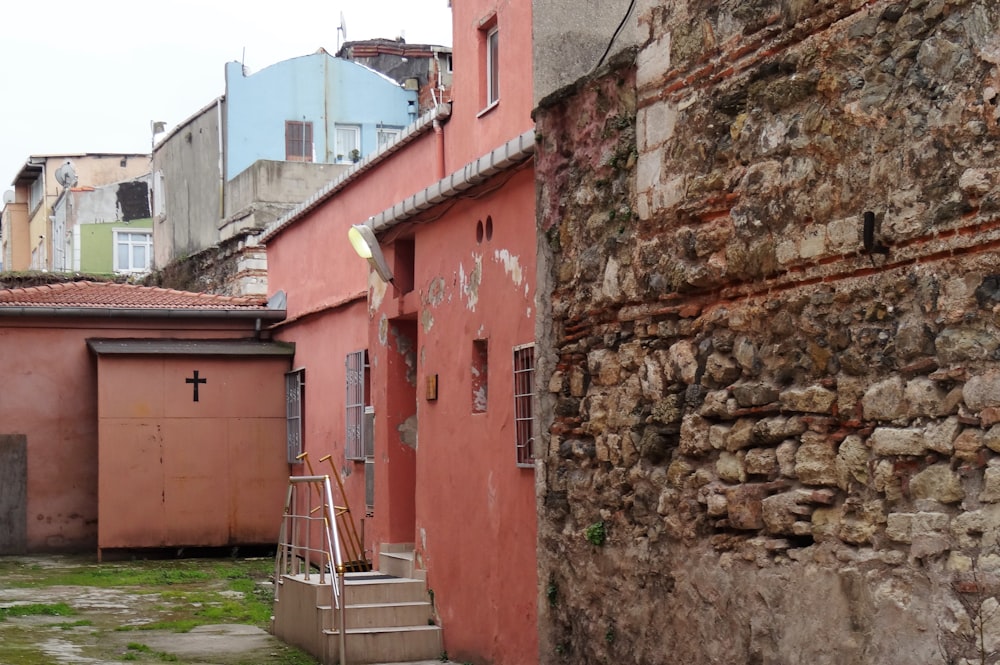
470,283
383,330
511,265
377,289
435,292
426,320
405,348
408,432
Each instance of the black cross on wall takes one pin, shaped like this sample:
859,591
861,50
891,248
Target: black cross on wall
195,380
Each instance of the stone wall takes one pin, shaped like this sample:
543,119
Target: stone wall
769,334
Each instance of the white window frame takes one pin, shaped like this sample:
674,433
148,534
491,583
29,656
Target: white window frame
524,395
295,409
386,136
341,151
148,244
492,66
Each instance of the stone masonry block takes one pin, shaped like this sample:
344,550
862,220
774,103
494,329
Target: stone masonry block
653,62
892,441
898,527
656,123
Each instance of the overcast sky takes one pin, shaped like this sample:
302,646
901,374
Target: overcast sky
91,76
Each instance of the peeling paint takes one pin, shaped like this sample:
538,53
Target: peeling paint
511,265
435,292
426,320
470,284
383,330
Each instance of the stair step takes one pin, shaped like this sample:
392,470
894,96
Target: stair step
388,645
387,590
389,615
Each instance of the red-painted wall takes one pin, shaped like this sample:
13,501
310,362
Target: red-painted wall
473,507
49,394
446,478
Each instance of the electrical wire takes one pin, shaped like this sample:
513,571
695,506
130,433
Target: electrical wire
631,6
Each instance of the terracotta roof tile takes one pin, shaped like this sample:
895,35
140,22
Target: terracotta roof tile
109,295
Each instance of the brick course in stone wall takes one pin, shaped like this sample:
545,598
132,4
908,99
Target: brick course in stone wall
782,413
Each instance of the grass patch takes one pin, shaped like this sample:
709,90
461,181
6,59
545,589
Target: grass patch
120,575
69,625
37,609
133,649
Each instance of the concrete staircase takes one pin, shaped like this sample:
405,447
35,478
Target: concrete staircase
389,617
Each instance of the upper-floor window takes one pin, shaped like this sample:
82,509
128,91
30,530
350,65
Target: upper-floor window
387,135
36,193
298,141
492,66
133,250
347,143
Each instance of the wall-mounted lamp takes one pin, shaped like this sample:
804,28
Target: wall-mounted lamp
365,243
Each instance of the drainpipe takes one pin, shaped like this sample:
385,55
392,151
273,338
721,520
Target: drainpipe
222,161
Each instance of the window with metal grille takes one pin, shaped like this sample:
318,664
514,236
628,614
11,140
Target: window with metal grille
524,392
295,408
298,141
357,399
480,375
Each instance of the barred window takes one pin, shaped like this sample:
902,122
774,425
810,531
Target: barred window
357,378
524,392
295,395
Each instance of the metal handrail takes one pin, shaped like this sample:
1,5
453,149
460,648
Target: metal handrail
295,551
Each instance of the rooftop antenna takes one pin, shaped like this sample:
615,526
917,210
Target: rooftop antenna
243,62
341,32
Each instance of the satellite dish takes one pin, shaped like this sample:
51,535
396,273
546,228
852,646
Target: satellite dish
342,30
66,175
8,196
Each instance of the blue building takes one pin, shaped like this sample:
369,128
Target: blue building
271,141
314,108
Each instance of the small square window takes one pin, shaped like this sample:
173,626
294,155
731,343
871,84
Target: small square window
133,251
347,144
387,135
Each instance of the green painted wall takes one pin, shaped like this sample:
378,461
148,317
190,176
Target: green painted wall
97,241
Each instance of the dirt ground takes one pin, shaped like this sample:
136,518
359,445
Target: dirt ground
70,609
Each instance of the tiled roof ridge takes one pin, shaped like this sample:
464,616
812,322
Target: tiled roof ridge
144,293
